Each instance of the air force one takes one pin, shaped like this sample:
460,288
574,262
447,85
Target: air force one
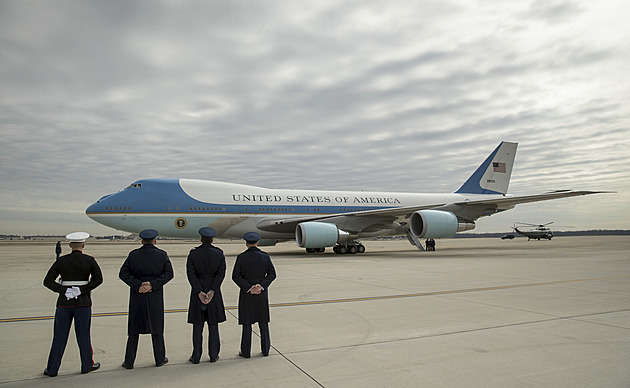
315,219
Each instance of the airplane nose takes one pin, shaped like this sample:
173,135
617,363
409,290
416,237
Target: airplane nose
93,208
97,206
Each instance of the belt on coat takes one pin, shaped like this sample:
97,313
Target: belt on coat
70,283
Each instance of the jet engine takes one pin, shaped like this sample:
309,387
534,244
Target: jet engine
318,235
436,223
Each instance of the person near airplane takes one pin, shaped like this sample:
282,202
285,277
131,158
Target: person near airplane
205,268
80,274
58,250
253,273
146,270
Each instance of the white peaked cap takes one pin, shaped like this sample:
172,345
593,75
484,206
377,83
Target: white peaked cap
78,236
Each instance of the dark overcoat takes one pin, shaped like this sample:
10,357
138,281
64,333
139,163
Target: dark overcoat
253,267
205,268
75,266
146,311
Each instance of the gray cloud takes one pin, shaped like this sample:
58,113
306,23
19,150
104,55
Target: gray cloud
349,95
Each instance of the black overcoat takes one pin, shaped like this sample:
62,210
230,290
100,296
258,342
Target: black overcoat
253,267
75,266
146,311
205,268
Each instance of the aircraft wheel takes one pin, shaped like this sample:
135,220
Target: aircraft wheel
352,249
342,250
321,250
361,248
310,250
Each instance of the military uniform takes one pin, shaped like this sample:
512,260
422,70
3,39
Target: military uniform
253,267
205,268
146,310
81,272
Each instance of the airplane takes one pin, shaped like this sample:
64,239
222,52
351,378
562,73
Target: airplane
315,219
537,232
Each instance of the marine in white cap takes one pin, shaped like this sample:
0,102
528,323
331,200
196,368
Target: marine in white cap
80,274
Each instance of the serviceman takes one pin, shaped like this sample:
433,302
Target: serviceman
205,268
58,250
146,271
253,273
80,274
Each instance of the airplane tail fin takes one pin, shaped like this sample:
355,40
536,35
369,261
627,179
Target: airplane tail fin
493,176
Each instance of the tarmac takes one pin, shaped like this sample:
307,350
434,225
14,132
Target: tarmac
474,313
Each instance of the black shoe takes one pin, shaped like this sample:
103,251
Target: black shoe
243,355
49,374
265,354
163,362
126,366
215,359
192,360
94,367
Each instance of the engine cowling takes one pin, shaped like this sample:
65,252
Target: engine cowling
318,235
433,224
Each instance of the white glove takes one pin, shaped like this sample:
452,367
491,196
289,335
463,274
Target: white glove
73,292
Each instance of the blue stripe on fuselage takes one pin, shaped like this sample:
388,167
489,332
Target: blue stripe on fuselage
167,196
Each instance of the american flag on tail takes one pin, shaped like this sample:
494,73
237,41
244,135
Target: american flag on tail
498,167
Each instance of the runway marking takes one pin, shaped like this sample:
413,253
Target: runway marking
344,300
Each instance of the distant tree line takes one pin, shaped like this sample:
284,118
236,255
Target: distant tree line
599,232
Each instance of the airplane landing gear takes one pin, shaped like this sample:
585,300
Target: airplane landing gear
349,248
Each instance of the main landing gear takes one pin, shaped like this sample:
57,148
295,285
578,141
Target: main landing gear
341,249
349,249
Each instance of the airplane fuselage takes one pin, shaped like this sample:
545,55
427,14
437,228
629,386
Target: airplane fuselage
179,207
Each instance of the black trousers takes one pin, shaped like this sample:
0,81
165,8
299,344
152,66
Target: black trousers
64,316
159,350
246,339
214,343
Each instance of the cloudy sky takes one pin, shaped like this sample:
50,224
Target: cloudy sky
406,96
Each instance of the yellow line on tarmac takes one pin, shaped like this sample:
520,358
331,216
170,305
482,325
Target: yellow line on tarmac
345,300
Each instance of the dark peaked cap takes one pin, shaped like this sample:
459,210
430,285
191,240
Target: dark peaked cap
207,231
251,237
148,234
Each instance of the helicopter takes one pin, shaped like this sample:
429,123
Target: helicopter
537,232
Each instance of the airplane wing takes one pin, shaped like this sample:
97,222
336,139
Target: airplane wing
472,210
373,220
360,221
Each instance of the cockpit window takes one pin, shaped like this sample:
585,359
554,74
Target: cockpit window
135,186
